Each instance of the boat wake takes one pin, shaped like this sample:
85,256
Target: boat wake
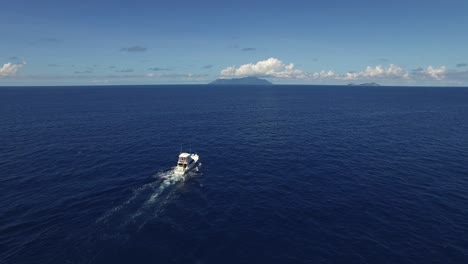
147,201
145,205
168,178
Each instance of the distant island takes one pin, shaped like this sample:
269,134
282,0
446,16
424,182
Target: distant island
241,81
364,84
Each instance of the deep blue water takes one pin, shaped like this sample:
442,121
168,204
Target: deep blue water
290,174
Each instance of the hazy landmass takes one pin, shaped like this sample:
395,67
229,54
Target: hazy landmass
241,81
364,84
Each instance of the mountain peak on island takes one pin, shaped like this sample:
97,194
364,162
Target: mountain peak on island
365,84
241,81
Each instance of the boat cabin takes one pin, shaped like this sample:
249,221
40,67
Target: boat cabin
184,160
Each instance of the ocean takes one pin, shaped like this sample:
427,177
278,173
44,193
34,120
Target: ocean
290,174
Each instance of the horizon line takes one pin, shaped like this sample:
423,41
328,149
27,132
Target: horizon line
224,85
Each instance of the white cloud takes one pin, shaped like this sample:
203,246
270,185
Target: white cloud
275,68
271,67
381,72
10,69
436,73
321,75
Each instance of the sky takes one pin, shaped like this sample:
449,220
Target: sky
86,42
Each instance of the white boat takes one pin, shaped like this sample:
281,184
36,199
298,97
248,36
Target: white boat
186,163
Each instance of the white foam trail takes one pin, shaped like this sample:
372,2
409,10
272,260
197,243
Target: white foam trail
147,201
168,178
136,194
144,205
154,205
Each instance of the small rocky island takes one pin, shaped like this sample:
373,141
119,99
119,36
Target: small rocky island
241,81
364,84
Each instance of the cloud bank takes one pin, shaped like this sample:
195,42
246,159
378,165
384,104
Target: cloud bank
275,68
271,67
10,69
392,71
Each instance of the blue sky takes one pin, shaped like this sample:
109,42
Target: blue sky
304,42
